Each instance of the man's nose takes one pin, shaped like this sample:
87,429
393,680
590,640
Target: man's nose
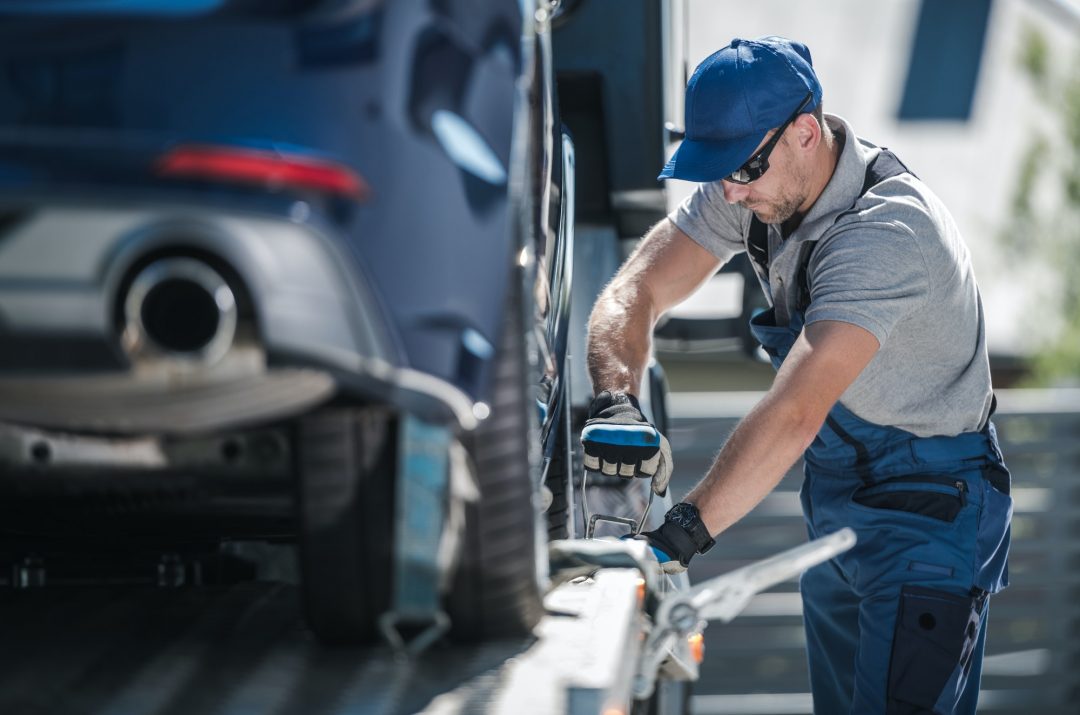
734,193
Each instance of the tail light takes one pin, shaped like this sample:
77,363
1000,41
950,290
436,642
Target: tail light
270,169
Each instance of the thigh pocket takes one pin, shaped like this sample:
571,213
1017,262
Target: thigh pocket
933,645
937,497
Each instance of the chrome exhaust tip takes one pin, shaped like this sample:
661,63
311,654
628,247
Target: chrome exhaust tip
180,309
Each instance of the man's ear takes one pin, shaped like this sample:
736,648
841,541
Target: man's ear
807,131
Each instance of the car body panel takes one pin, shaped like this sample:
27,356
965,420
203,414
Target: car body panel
398,294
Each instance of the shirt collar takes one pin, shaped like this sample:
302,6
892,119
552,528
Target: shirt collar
843,188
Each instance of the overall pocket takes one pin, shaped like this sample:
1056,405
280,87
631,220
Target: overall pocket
936,497
934,646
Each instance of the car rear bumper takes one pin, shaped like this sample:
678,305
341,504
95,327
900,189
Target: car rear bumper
310,327
126,405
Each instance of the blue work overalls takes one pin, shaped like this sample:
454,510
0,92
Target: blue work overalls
897,624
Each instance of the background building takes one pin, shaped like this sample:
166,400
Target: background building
950,88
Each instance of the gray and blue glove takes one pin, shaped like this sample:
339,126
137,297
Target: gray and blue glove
619,441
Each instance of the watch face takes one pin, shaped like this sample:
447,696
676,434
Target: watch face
683,514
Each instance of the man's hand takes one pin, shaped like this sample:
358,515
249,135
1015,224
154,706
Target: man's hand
619,441
666,552
682,535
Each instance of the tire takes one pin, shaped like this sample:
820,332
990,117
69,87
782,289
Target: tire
345,480
496,590
559,480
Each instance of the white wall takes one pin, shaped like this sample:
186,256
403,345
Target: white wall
861,51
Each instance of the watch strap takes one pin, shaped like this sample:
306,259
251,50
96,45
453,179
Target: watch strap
687,519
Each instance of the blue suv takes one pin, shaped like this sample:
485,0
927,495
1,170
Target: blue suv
290,271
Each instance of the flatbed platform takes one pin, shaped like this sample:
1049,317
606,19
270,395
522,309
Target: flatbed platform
242,649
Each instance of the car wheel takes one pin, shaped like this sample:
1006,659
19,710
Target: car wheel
496,590
345,465
559,479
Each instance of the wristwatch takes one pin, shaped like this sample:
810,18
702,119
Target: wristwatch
686,516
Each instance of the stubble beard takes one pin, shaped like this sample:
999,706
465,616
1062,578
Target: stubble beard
777,212
784,207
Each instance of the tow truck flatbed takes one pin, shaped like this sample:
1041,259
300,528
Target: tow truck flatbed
225,650
231,650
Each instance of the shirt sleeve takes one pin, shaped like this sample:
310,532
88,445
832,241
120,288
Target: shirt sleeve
872,275
707,218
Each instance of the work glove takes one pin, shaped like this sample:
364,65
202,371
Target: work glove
666,551
682,535
619,441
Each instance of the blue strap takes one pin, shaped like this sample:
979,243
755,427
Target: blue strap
624,435
423,485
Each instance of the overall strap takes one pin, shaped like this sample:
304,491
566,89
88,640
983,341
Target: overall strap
757,247
884,165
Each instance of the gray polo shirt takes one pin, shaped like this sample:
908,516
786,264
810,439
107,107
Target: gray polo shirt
892,262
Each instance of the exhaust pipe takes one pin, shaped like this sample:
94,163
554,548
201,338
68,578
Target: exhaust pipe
181,309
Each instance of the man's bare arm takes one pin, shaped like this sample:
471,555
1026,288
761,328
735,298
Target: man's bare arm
664,270
825,359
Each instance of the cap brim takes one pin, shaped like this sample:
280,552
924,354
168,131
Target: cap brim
705,160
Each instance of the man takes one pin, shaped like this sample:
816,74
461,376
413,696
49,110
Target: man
883,384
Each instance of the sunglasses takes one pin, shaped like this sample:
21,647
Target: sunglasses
758,164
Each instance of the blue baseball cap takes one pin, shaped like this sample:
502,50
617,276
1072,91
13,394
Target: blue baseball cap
735,96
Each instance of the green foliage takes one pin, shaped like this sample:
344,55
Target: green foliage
1046,202
1030,164
1034,56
